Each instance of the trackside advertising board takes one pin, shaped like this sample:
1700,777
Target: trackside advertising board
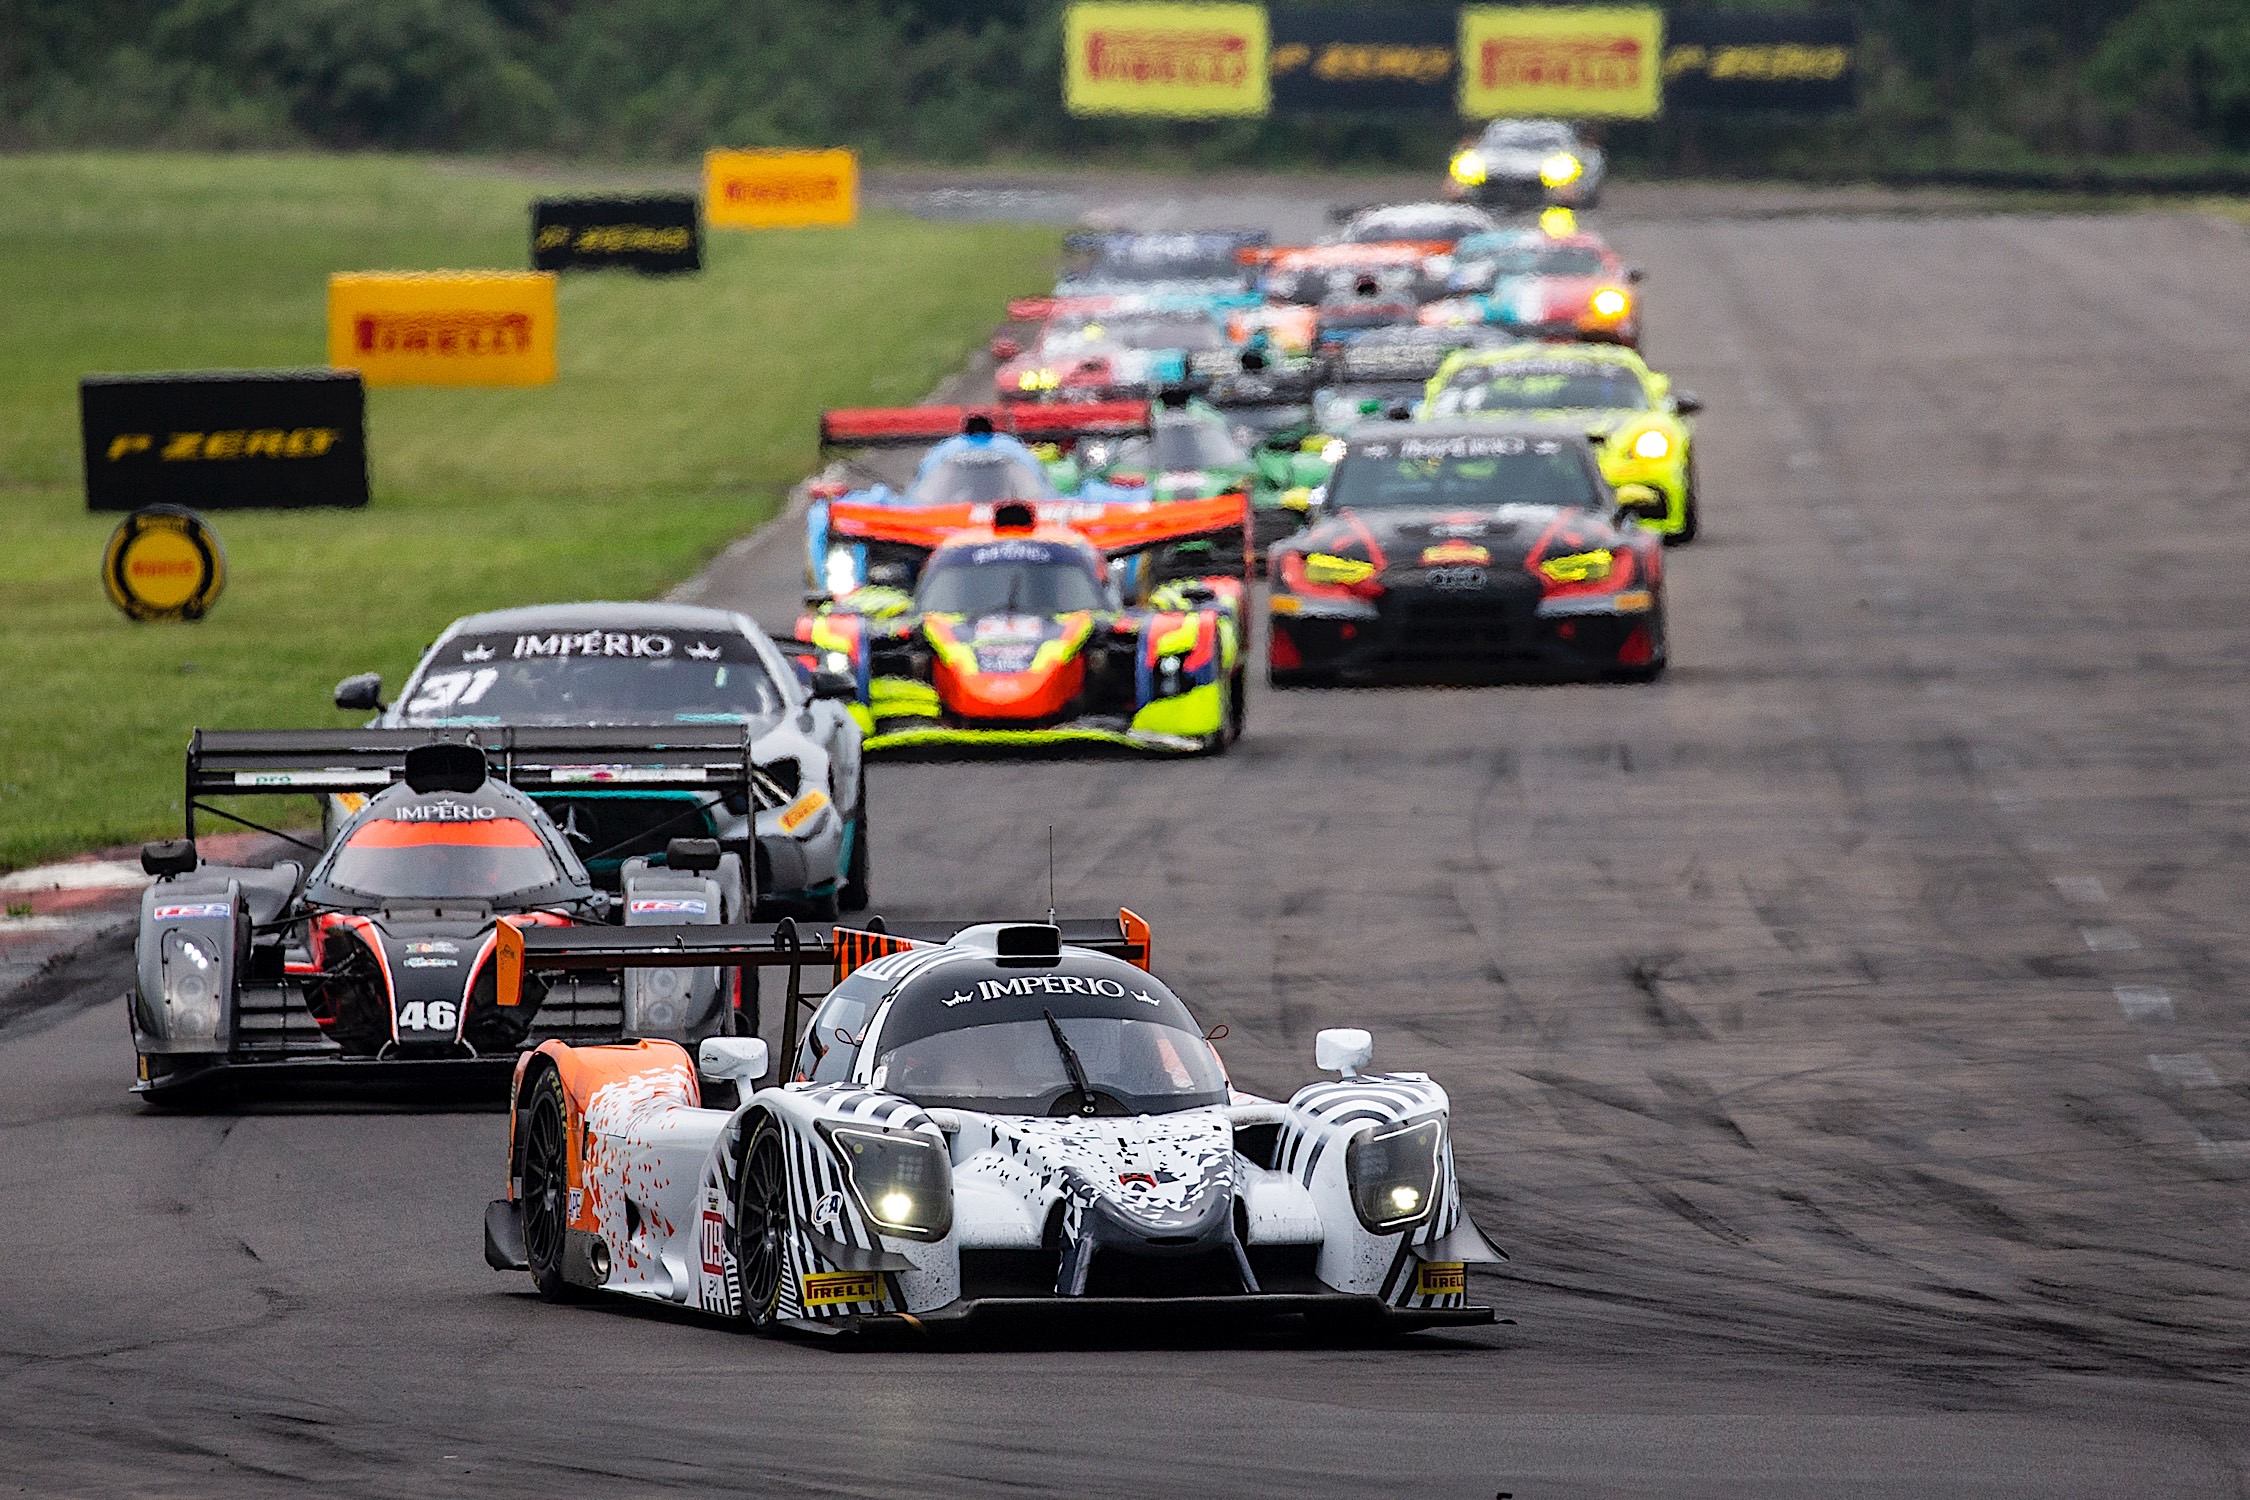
654,233
1389,59
443,327
224,439
780,189
1205,61
1577,62
1799,62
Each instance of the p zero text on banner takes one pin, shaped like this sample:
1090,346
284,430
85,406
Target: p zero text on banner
1202,61
1800,62
1576,62
780,189
224,439
1392,58
443,327
653,233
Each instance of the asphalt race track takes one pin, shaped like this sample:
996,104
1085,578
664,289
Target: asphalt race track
1845,1034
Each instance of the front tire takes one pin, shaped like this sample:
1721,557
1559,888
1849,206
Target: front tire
546,1188
761,1224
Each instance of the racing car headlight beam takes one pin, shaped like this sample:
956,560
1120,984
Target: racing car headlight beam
1561,170
842,572
189,972
903,1181
1610,302
1393,1172
1469,169
1652,444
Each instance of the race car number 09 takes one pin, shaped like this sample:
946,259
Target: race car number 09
428,1015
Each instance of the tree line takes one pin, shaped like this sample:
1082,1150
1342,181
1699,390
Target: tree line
1945,82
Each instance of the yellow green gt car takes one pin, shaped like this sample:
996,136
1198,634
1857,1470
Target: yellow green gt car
1636,421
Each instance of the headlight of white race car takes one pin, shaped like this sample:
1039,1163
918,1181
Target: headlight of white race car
1393,1173
190,969
903,1182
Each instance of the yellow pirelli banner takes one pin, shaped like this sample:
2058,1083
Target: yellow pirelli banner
1182,61
780,189
443,327
1579,62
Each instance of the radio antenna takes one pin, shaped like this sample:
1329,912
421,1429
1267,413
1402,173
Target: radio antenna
1050,874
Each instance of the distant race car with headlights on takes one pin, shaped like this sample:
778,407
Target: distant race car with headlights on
1021,632
1096,349
1467,548
1637,422
375,966
1524,163
982,1121
1436,224
802,824
1539,285
977,456
1206,264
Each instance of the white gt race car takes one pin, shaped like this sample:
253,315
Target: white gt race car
997,1121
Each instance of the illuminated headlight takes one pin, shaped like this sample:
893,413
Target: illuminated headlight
1652,444
1610,302
837,661
1332,452
1393,1173
903,1182
842,573
1558,221
1469,169
1561,170
190,978
1038,380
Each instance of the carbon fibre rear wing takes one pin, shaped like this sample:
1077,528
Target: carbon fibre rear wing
1033,422
711,758
522,951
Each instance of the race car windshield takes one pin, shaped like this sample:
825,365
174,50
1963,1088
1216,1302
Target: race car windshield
1583,388
593,677
1014,1067
1157,258
1426,224
954,585
1183,445
462,859
1472,473
1193,334
1559,260
1528,135
980,479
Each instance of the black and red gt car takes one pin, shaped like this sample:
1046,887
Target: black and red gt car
1473,548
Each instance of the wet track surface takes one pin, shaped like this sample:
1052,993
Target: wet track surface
1845,1034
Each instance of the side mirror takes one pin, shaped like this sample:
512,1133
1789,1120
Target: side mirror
1686,403
827,489
834,686
1635,274
739,1060
168,857
692,854
362,693
1643,501
1005,348
1343,1049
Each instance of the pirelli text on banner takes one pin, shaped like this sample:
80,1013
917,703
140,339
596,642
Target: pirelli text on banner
443,327
654,233
1802,62
224,439
1576,62
1193,61
1388,58
780,189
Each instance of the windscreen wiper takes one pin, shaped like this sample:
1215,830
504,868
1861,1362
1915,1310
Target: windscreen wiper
1076,1069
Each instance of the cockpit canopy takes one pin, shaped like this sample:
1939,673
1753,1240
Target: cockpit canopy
490,845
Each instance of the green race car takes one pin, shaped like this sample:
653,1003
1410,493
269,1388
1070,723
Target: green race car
1193,449
1637,422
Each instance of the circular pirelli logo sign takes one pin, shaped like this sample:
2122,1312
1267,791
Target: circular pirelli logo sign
164,563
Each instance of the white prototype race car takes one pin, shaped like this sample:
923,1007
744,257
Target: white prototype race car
996,1121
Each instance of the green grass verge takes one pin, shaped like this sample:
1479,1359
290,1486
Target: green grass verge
685,409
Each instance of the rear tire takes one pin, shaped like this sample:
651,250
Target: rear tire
1691,519
761,1224
546,1188
852,895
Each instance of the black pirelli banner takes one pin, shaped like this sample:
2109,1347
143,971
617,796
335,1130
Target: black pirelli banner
653,232
1747,60
1396,59
224,439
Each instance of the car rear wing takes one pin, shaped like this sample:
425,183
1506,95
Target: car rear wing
1348,253
920,426
519,952
713,758
1119,245
1118,529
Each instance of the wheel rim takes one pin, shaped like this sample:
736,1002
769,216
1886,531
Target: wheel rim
761,1219
544,1191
